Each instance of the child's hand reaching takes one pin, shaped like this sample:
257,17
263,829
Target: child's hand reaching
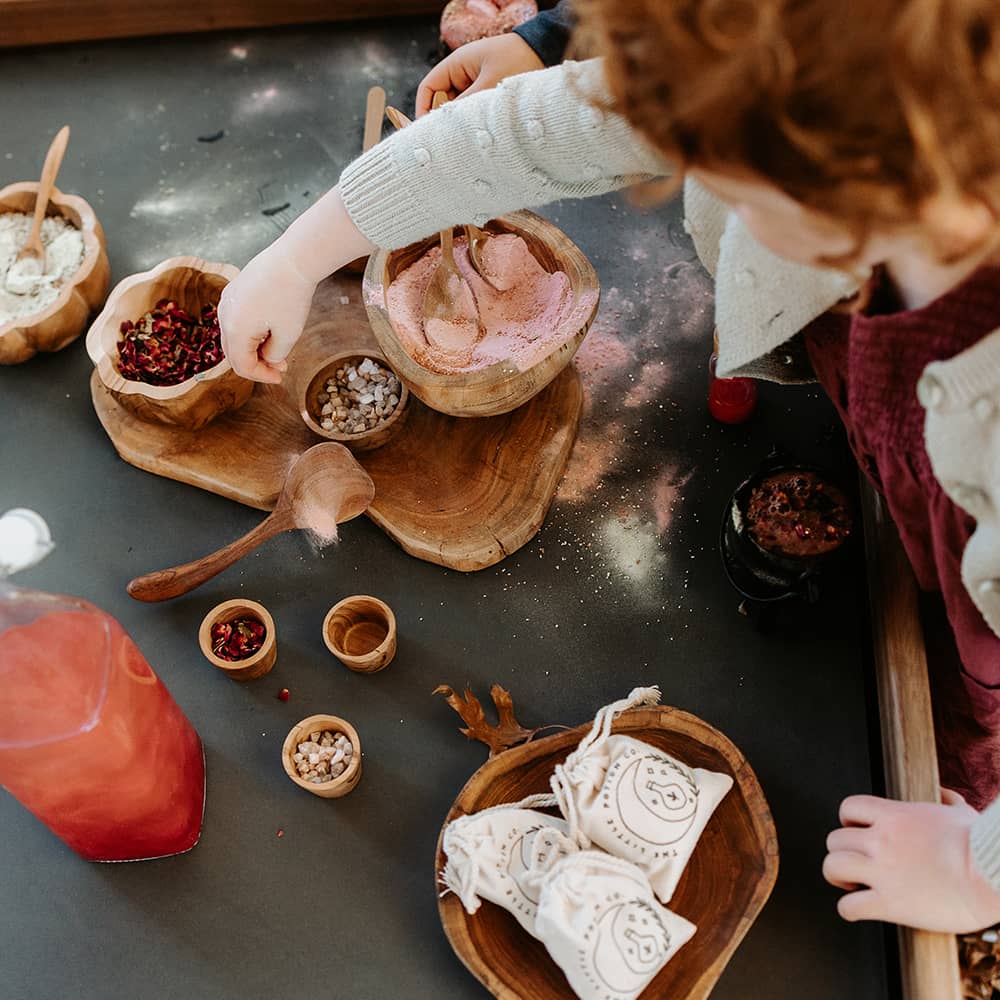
910,863
477,66
262,313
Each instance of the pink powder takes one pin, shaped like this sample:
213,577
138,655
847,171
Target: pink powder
531,316
652,378
666,493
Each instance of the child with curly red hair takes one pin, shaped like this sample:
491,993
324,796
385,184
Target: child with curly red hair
842,182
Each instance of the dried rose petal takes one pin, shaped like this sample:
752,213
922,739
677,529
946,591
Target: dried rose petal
167,346
237,639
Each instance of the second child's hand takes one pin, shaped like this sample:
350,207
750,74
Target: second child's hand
477,66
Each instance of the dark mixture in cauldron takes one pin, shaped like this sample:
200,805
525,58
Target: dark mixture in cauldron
795,513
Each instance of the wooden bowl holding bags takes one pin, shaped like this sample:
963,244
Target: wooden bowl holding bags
725,886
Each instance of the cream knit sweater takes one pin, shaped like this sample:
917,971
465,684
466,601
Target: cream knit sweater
539,137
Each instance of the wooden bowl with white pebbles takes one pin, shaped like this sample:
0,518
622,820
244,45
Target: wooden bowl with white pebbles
355,399
322,754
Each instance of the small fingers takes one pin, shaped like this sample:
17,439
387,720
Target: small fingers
847,869
850,838
862,810
864,905
952,798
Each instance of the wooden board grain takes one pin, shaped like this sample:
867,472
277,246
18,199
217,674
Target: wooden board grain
724,888
462,493
42,22
928,962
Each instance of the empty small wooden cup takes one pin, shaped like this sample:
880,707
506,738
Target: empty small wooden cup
253,666
361,632
335,787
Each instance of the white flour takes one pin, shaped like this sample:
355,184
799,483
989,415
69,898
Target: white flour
63,244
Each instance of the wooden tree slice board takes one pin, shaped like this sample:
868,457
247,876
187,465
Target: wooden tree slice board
724,887
462,493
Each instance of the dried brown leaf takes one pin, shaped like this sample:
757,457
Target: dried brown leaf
507,733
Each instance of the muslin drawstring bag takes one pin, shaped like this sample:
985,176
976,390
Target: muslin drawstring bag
635,801
502,854
604,928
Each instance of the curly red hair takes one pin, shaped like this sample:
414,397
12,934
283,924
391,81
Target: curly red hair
861,111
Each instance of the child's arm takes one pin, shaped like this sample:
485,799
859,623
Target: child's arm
933,867
534,139
483,64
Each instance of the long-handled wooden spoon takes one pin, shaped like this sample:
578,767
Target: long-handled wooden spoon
451,315
30,261
475,236
325,487
374,110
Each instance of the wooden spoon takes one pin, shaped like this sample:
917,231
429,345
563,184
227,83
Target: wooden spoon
30,261
325,487
451,315
374,110
473,234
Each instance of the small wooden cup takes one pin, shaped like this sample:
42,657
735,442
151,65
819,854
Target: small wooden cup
335,787
361,632
253,666
309,405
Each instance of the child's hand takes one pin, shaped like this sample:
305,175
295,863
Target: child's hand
477,66
910,863
262,314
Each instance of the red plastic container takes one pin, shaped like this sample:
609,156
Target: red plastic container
730,400
91,741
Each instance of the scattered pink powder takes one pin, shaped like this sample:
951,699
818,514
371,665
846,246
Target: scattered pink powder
652,378
595,454
529,318
666,492
603,355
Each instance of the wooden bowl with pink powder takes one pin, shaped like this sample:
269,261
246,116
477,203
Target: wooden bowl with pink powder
546,298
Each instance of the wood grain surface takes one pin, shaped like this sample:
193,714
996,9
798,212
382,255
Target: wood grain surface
462,493
41,22
725,886
928,962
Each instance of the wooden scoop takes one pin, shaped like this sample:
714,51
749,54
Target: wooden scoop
451,315
30,261
325,487
374,110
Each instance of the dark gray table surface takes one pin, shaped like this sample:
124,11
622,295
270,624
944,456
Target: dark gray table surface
622,586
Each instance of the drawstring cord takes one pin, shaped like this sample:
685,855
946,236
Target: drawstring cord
577,768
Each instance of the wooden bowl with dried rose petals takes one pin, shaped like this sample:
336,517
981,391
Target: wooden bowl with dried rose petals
238,637
157,345
56,312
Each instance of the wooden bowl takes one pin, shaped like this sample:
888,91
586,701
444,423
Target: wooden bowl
724,887
253,666
192,283
361,632
343,783
309,405
501,387
66,318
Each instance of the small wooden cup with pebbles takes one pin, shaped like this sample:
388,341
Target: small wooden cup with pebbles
238,637
361,632
354,398
322,754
